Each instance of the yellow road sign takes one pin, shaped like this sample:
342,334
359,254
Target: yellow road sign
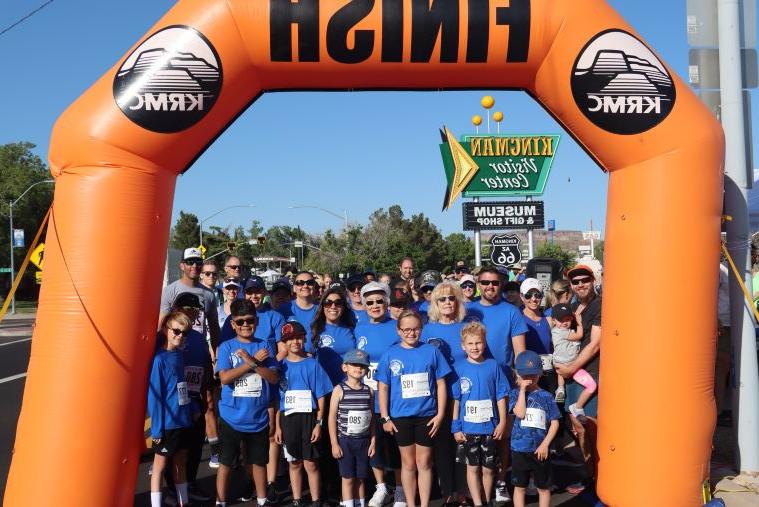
38,256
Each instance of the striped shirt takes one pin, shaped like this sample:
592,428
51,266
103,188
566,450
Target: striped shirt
354,411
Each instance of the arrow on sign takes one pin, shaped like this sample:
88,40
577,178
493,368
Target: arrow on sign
464,168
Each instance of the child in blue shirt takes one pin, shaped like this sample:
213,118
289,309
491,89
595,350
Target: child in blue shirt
169,407
248,372
479,412
302,388
535,426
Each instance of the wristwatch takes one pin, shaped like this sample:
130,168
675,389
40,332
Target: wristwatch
384,420
319,422
253,366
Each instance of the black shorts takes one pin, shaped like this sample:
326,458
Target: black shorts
355,461
256,445
477,451
296,436
173,441
413,430
386,454
522,463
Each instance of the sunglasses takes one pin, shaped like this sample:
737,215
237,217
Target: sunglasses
354,288
245,322
329,303
461,270
301,283
427,289
177,332
209,273
372,302
467,285
533,294
494,283
232,266
197,262
443,299
578,281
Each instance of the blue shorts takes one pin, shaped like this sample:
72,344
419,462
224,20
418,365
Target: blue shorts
355,461
573,390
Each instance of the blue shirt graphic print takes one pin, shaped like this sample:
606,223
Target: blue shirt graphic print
528,433
478,384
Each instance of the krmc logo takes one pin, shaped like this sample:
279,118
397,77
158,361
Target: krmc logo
620,85
170,82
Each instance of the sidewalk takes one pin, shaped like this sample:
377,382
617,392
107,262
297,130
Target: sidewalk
17,325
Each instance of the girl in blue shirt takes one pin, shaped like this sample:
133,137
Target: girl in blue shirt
413,394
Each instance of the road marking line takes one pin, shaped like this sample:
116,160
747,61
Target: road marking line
17,341
12,377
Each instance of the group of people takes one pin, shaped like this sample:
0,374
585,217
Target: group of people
371,378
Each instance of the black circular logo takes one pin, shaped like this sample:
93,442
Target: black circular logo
170,82
620,85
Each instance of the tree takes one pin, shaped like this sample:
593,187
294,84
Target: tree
185,232
459,247
598,251
554,251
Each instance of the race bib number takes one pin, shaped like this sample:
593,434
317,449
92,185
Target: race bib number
534,418
182,394
358,421
248,386
297,401
369,377
547,360
415,385
478,411
193,375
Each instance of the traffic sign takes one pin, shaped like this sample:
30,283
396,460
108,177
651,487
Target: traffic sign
552,225
18,238
504,250
38,256
586,235
5,270
503,215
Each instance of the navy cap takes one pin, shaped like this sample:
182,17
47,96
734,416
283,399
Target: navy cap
528,363
560,311
282,283
255,282
292,329
356,356
354,280
187,299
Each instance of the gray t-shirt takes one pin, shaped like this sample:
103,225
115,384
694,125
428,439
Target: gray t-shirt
207,299
564,349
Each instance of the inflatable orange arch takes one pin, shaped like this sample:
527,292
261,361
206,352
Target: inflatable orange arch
117,151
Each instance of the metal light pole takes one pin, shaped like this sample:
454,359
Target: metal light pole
10,236
218,212
344,217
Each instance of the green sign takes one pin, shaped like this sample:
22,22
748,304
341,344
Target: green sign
5,270
497,165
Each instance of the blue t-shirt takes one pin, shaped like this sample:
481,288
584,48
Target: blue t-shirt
197,361
502,321
294,312
538,337
360,316
334,342
525,436
305,375
168,400
478,384
244,403
421,307
411,376
375,339
447,339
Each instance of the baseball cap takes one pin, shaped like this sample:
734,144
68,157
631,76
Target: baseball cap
467,278
282,283
429,279
187,299
580,270
192,253
560,311
354,280
255,282
356,356
529,284
528,363
292,329
398,296
337,284
230,282
375,287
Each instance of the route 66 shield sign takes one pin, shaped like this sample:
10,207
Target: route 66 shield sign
504,250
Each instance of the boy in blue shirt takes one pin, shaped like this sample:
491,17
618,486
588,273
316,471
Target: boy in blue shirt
479,412
247,371
302,388
535,426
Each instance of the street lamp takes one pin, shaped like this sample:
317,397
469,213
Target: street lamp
11,204
344,218
220,211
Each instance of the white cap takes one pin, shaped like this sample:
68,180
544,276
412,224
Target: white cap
375,287
192,253
529,284
467,278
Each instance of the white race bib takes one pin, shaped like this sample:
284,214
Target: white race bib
534,418
547,360
193,375
415,385
358,421
297,401
248,386
182,394
478,411
369,377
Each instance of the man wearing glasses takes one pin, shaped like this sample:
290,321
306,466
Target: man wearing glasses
207,320
588,304
209,276
303,307
233,269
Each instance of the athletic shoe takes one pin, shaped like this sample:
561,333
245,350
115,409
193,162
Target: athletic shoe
579,413
560,395
213,461
298,503
196,494
316,503
399,504
271,492
248,497
501,492
378,498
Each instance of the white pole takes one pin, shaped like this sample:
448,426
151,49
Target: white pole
10,237
746,395
530,254
477,243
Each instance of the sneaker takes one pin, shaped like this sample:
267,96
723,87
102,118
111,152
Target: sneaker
271,492
501,492
399,504
196,494
213,461
399,497
579,413
298,503
378,498
560,395
316,503
247,497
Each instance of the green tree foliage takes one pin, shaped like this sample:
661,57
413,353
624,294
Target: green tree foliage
20,168
554,251
598,250
459,247
185,232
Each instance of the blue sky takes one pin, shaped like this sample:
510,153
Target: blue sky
54,56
